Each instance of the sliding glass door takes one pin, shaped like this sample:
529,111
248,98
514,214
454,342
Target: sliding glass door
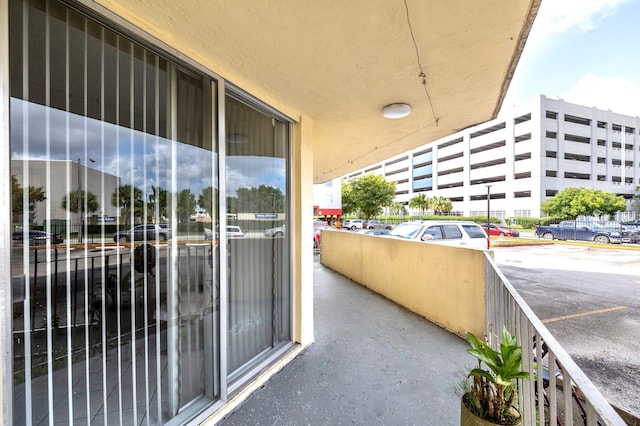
115,284
257,183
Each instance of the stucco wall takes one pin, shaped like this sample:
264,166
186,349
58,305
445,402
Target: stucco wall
444,284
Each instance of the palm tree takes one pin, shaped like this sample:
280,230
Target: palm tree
128,198
86,202
397,208
440,204
420,202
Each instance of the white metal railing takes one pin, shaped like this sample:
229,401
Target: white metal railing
544,397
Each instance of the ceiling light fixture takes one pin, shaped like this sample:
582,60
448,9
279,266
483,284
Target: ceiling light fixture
396,110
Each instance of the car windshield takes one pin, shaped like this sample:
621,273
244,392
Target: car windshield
406,230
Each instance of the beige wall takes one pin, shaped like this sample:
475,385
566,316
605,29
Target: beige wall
302,205
444,284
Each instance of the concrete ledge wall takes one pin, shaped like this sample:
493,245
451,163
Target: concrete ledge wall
446,285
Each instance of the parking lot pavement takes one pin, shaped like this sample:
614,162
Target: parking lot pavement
589,298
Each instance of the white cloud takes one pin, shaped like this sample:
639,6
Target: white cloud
617,94
578,15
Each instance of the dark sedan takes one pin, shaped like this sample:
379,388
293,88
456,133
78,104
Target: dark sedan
39,238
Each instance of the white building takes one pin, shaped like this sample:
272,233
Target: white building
521,159
327,200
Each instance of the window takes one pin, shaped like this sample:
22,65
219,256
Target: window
576,157
551,173
575,138
577,120
551,135
552,115
522,118
575,175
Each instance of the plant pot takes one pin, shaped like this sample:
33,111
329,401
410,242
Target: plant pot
467,418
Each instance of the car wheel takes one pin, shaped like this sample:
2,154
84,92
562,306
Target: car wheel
353,227
123,239
547,236
601,239
163,237
501,234
315,244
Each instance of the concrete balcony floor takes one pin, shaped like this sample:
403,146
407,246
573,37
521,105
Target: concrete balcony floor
373,362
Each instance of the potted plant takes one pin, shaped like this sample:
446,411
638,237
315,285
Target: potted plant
490,393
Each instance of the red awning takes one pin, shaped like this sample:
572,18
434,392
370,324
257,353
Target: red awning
329,212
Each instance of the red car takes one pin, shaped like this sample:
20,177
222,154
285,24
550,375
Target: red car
500,230
317,227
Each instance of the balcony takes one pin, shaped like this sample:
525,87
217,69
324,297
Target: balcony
375,362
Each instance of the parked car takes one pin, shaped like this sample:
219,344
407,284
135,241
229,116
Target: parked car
451,233
500,230
581,231
234,232
631,231
39,238
353,224
318,226
276,232
148,232
375,224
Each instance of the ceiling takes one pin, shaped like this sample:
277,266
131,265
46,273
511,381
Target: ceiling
337,63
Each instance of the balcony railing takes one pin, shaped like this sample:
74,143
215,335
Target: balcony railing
559,393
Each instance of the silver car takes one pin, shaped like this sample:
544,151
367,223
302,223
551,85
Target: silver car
451,233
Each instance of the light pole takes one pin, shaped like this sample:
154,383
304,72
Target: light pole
80,205
488,210
80,201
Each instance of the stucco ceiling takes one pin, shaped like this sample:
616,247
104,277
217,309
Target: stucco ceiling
338,63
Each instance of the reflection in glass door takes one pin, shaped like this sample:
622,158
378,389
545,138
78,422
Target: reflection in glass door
259,293
114,212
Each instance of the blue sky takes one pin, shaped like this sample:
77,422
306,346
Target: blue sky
582,51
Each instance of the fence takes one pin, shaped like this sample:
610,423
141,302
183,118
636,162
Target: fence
558,392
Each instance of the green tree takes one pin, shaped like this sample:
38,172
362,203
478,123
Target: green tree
369,194
420,202
440,205
129,200
348,202
185,205
573,202
35,194
87,202
205,200
263,199
397,208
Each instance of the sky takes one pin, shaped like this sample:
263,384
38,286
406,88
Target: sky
582,51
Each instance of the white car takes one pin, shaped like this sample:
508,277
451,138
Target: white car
446,232
234,232
276,232
353,224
